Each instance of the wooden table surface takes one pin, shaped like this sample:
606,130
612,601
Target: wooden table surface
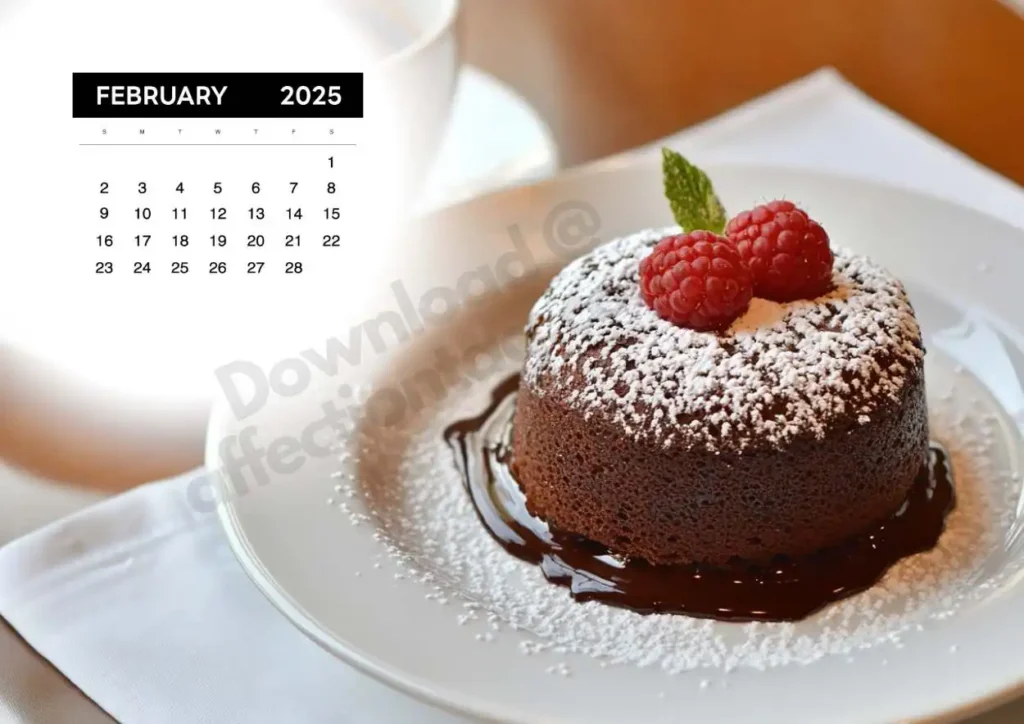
611,74
608,75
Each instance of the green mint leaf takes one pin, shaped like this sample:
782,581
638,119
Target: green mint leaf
690,194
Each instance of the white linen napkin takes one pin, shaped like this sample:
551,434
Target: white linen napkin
139,602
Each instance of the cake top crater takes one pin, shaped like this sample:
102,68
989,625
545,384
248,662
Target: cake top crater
779,372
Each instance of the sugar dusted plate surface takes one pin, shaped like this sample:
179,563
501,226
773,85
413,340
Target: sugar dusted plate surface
374,552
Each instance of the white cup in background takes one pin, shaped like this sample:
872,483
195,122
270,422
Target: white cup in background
412,50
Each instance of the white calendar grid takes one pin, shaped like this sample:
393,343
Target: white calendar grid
216,206
213,200
240,281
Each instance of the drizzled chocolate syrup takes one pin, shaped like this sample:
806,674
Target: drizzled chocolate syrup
786,589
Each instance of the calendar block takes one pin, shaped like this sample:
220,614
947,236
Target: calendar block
215,176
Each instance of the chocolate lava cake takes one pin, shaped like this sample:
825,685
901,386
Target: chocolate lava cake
794,428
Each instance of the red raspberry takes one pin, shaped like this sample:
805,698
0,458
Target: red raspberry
785,250
695,280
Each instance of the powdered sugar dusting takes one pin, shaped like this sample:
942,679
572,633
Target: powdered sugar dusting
406,485
780,371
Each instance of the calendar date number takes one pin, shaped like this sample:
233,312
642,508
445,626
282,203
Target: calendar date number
318,95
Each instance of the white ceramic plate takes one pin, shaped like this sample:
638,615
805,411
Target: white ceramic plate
370,548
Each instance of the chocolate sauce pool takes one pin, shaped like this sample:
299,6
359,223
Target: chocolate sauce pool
786,589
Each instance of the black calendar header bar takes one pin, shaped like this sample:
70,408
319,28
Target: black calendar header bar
218,95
